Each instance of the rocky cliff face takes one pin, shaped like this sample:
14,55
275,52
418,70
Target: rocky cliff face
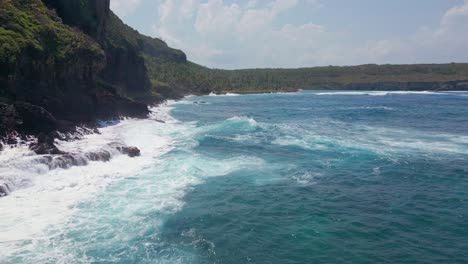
126,52
89,16
125,49
55,67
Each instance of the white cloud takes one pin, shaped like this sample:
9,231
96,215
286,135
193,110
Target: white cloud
447,40
229,30
233,35
455,16
124,7
251,3
280,6
214,17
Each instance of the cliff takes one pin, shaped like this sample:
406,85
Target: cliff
69,62
54,67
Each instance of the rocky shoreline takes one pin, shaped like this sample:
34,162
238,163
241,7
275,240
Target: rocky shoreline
47,153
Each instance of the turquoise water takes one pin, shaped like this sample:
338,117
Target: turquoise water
309,177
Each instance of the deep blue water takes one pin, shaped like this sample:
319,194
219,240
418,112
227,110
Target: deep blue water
309,177
346,179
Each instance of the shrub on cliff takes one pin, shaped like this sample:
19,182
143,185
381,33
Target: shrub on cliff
29,30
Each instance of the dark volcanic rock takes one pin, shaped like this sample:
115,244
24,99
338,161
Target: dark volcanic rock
110,105
9,118
126,69
4,190
67,161
26,119
462,86
130,151
35,119
45,145
89,16
103,155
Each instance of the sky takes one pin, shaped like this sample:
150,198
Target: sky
231,34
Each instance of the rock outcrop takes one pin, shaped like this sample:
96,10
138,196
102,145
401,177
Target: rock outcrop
65,160
50,71
130,151
89,16
26,118
4,189
45,145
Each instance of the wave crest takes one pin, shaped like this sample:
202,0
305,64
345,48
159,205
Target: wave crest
381,93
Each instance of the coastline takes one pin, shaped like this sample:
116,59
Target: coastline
49,195
57,155
211,171
75,149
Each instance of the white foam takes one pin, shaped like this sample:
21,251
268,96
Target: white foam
249,120
36,220
457,93
44,197
225,94
325,133
380,93
304,178
300,142
230,126
370,108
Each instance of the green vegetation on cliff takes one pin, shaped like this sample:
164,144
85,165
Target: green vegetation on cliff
77,60
29,29
53,67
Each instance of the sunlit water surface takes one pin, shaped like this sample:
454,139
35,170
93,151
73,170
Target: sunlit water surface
308,177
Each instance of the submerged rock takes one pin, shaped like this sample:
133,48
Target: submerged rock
45,146
126,150
103,155
4,190
67,161
130,151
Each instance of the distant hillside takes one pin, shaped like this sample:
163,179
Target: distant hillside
364,77
65,62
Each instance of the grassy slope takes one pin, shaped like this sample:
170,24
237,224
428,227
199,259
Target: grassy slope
33,41
28,26
55,66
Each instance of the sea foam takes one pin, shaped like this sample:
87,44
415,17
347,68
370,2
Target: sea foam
45,197
380,93
123,190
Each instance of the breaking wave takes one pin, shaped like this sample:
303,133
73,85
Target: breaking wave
380,93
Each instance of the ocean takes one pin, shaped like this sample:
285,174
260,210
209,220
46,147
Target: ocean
306,177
